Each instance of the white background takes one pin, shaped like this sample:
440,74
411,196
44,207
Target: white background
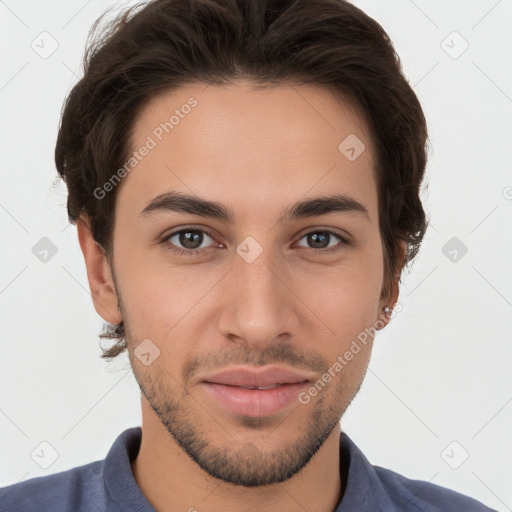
440,371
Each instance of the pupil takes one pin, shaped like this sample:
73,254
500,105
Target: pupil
323,237
187,239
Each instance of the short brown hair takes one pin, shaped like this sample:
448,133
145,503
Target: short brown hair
159,46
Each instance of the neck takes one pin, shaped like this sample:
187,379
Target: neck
170,480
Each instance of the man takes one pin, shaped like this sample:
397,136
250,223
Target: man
244,177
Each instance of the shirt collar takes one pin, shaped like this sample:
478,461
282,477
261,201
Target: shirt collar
363,490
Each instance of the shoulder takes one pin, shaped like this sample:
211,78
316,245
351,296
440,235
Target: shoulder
419,495
101,486
79,489
375,488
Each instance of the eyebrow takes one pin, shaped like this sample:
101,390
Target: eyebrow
185,203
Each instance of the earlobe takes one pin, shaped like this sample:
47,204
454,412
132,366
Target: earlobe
387,308
385,314
99,274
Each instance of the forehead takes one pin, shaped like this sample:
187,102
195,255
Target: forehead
246,146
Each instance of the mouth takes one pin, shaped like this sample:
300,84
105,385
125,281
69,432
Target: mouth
262,377
254,391
253,400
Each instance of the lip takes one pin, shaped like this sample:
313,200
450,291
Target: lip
228,389
254,402
247,376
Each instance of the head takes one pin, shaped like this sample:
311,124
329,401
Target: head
254,106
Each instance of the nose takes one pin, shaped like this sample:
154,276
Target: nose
258,302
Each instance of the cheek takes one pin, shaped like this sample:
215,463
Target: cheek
347,303
159,301
164,302
345,298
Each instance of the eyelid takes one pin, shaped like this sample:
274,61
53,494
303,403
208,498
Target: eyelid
191,227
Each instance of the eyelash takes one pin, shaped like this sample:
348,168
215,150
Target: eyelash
198,252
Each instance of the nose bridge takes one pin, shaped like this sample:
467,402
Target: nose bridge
258,284
259,306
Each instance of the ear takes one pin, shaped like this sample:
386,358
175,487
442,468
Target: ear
99,274
391,300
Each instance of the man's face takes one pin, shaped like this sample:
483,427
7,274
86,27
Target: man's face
256,290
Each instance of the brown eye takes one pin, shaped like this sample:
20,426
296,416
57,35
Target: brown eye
321,240
187,241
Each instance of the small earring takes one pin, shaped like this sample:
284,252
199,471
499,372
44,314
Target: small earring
388,311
